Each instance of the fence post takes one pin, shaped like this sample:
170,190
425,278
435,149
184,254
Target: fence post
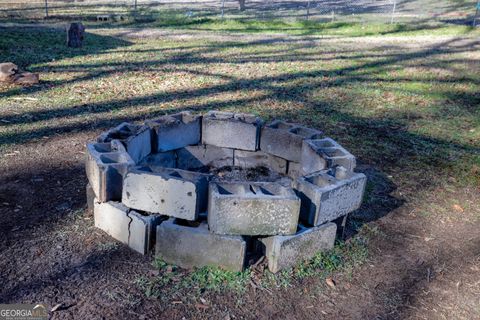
476,13
393,10
135,6
46,9
308,9
223,7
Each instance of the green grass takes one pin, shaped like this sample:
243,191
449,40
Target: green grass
304,27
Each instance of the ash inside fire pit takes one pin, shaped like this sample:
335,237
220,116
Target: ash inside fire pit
217,188
238,174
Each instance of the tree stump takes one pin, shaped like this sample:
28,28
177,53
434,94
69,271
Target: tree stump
75,35
8,71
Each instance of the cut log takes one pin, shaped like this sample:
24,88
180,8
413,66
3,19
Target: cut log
26,78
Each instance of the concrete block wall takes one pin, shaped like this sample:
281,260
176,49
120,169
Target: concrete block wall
105,167
252,209
175,131
127,226
231,130
330,194
286,251
319,154
194,246
172,192
284,139
141,172
135,138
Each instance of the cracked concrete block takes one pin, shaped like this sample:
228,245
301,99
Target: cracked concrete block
143,231
192,245
203,157
105,166
260,208
284,139
175,131
287,251
135,138
127,226
252,159
171,192
160,160
231,130
329,194
320,154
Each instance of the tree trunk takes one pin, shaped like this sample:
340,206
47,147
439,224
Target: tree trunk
75,35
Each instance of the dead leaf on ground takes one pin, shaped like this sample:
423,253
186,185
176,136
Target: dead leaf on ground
201,306
330,282
457,208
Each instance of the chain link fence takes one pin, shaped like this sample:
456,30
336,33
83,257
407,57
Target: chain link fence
456,11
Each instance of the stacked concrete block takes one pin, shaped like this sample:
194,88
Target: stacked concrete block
231,130
175,131
171,192
135,138
251,159
90,198
160,160
194,246
294,170
284,139
319,154
203,157
330,194
105,168
286,251
252,209
127,226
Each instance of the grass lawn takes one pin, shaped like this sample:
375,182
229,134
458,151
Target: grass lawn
408,107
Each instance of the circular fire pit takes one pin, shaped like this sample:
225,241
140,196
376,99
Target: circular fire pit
218,188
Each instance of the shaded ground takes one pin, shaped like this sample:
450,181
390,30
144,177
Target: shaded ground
406,106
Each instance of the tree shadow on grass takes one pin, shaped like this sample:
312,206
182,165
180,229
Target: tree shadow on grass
380,143
37,45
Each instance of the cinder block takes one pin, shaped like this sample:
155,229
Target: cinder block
127,226
90,198
193,245
260,208
320,154
160,160
329,194
105,167
203,157
284,139
171,192
252,159
135,138
294,170
287,251
231,130
175,131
